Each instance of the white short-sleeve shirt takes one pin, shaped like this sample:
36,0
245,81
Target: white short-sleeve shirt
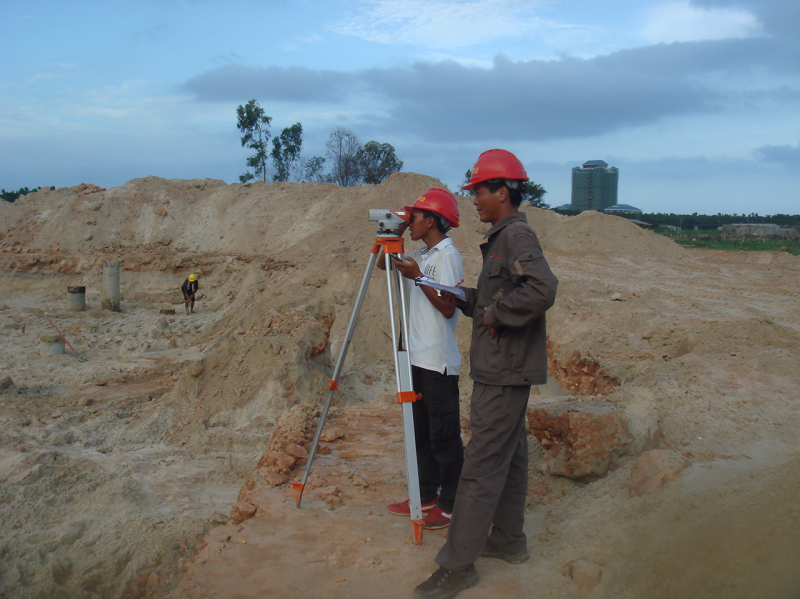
432,341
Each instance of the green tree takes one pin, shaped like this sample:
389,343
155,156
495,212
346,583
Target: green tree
343,150
533,193
312,170
467,176
11,196
286,153
377,162
254,124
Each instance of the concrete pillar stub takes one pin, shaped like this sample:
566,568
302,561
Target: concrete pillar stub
51,345
76,298
111,286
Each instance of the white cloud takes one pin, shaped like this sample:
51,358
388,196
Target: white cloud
684,22
288,47
440,23
478,63
44,77
296,44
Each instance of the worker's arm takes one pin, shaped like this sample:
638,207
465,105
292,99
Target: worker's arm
410,270
534,286
467,306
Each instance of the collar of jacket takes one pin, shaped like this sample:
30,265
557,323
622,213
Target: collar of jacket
506,220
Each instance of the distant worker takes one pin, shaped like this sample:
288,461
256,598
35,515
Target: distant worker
189,288
434,355
508,354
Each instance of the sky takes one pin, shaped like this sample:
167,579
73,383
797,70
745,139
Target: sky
696,102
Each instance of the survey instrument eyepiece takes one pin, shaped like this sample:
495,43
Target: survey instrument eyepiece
390,222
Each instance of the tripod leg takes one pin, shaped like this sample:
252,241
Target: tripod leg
337,371
406,395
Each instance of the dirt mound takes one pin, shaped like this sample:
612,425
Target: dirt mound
285,221
592,233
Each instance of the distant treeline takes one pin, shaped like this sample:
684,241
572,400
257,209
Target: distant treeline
707,221
11,196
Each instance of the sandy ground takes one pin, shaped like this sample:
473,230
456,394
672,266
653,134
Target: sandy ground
119,473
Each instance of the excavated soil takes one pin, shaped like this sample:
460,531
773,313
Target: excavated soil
153,458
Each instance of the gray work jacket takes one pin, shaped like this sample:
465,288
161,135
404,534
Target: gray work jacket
515,289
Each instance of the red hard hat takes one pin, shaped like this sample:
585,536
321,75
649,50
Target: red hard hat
496,164
439,201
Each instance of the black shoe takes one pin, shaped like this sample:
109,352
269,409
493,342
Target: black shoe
445,583
511,558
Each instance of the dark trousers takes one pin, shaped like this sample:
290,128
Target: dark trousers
490,504
437,433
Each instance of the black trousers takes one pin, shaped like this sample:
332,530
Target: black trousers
437,432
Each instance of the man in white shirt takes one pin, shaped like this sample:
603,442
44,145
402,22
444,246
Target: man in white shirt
435,359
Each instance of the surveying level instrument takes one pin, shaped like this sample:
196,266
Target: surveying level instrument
390,224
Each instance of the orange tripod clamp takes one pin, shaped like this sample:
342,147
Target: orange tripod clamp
408,396
391,245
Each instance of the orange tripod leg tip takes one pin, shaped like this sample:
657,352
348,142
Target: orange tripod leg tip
298,487
417,524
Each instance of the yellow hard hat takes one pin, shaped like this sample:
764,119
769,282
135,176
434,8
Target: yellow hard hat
192,278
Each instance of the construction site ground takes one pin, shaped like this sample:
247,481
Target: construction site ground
151,461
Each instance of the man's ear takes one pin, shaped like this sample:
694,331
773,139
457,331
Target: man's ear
505,196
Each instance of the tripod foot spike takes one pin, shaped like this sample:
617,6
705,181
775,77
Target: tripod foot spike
298,487
417,524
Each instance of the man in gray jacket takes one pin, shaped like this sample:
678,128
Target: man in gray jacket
508,354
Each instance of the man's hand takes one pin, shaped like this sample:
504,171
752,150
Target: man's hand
486,322
409,269
449,298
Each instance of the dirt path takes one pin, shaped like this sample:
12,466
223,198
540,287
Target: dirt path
357,550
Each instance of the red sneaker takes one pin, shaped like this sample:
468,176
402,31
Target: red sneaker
437,518
402,509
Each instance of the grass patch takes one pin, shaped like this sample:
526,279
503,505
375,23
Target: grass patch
716,240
